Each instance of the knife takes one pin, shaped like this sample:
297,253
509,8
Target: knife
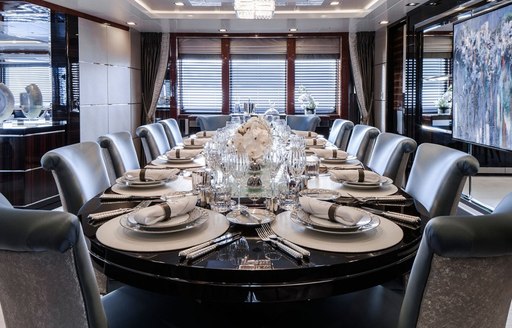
207,249
187,251
405,218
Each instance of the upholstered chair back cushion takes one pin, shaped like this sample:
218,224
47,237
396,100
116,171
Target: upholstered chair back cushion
437,176
4,202
303,122
212,122
172,130
46,277
79,172
154,140
340,133
361,141
121,153
390,155
461,274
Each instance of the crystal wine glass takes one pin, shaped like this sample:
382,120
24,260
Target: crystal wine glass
238,164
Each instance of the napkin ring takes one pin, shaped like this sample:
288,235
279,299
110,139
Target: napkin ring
334,153
167,209
361,175
142,175
331,213
177,153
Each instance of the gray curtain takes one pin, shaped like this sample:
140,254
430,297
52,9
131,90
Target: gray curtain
154,58
362,51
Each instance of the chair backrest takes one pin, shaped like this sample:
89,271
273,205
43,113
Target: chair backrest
461,273
4,202
172,130
46,276
340,133
437,176
154,140
212,122
79,172
303,122
361,141
121,153
390,156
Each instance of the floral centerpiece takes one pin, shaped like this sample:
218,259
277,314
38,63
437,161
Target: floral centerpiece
444,104
253,137
308,103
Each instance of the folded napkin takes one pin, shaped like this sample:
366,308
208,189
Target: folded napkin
345,215
182,153
195,141
330,153
305,134
315,142
170,209
205,134
150,174
359,175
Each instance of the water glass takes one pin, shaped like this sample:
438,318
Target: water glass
220,200
312,166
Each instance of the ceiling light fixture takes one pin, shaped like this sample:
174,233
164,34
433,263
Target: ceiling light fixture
383,22
222,30
293,29
334,3
255,9
179,3
412,4
131,23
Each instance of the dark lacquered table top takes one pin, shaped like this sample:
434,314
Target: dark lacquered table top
217,276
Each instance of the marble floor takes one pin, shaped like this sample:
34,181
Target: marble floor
488,190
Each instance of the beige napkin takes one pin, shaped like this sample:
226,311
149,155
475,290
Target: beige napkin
205,134
195,141
342,214
171,208
150,174
330,153
305,134
315,142
182,153
353,176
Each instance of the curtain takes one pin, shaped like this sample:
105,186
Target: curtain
154,58
362,49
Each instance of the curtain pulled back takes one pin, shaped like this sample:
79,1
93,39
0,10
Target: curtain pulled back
154,57
362,49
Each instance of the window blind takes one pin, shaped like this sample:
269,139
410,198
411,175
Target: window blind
18,77
436,80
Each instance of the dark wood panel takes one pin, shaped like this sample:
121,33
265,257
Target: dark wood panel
28,189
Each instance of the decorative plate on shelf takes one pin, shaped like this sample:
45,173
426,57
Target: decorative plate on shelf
6,102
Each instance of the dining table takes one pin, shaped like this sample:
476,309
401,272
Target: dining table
250,269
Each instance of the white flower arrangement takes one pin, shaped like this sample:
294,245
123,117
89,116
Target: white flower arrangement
253,137
306,100
446,99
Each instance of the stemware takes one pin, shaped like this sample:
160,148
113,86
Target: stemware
238,164
296,164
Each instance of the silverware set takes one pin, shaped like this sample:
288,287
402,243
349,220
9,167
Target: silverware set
197,251
97,219
266,234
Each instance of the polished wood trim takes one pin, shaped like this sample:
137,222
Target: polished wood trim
73,12
290,78
225,53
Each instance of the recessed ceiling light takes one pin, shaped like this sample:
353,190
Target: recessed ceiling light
131,23
179,3
293,29
412,4
384,22
335,3
222,30
432,3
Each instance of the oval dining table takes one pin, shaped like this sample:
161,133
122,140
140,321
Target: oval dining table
221,276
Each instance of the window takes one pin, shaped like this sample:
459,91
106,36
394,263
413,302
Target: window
436,80
199,85
18,77
319,77
258,80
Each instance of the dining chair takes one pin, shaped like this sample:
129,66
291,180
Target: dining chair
340,133
79,172
172,130
120,154
47,279
302,122
154,140
437,176
390,156
212,122
461,273
361,141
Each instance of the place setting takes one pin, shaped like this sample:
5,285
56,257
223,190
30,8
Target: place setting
143,183
179,157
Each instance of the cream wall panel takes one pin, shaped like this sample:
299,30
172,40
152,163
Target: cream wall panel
93,122
136,113
118,46
93,84
93,44
135,86
118,85
119,118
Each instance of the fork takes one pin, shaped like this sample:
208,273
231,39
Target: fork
99,221
270,234
290,251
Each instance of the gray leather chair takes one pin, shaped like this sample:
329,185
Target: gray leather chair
390,156
461,274
47,279
437,176
121,155
303,122
212,122
340,133
172,130
154,140
361,142
79,172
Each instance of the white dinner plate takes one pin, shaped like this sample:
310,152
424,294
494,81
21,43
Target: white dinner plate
368,185
143,184
366,222
321,194
194,218
262,215
338,160
175,160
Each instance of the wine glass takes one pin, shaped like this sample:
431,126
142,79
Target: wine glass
296,163
238,164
